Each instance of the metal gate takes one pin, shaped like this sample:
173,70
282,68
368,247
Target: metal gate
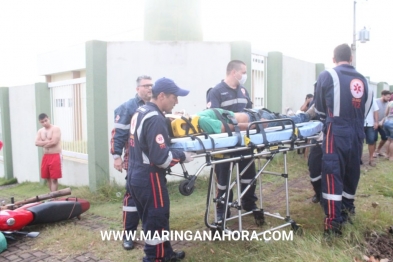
258,79
69,114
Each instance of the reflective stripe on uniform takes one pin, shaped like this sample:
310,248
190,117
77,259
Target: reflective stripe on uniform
139,131
122,126
145,159
167,161
245,181
155,241
234,102
337,92
349,196
316,178
332,197
220,187
129,209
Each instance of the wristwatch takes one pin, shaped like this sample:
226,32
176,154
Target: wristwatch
116,157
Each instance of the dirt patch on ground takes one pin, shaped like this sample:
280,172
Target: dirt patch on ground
379,245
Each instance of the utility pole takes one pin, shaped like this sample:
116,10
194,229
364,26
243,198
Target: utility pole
354,36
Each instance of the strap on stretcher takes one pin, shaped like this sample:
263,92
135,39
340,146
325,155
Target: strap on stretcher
183,126
227,116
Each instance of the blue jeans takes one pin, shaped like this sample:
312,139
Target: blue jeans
298,118
371,135
381,131
388,128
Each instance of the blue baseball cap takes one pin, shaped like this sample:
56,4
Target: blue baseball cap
168,86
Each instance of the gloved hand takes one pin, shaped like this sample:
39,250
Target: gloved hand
189,157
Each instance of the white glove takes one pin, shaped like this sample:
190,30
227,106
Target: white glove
189,157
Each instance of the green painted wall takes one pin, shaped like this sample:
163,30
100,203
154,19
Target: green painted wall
6,132
97,124
318,69
391,88
274,82
241,50
42,105
380,87
173,20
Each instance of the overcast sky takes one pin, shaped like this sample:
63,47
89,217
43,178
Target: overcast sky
305,29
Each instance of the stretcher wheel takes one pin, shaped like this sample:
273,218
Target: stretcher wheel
259,217
297,229
215,231
184,189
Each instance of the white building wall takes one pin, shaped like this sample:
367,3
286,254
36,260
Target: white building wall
189,64
61,77
69,59
24,129
298,81
75,172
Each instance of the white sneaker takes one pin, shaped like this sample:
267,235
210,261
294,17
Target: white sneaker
289,111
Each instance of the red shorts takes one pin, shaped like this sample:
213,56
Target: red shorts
51,166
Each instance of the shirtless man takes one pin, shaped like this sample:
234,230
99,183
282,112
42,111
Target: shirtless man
48,137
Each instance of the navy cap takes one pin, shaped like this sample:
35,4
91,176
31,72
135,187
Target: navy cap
167,86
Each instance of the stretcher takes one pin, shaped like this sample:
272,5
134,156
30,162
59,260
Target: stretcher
256,144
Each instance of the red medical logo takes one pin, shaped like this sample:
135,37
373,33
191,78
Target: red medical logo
117,118
357,88
160,139
243,91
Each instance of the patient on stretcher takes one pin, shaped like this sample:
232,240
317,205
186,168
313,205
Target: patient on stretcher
215,121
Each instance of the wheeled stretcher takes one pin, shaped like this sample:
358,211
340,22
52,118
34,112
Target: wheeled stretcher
256,143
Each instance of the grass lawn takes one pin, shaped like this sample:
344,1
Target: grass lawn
374,214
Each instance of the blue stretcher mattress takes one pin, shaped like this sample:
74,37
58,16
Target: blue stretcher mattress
273,134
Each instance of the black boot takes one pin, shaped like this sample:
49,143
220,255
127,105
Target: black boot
315,199
128,244
176,256
334,231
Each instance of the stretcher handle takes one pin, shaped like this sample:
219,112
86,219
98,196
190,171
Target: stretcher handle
261,122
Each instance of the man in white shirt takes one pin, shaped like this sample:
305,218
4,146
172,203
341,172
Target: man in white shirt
382,103
370,130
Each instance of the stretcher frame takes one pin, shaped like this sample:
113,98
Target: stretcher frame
251,152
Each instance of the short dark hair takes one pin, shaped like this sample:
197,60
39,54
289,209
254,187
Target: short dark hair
385,92
309,96
342,53
139,78
42,116
234,64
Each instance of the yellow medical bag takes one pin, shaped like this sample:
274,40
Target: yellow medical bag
185,126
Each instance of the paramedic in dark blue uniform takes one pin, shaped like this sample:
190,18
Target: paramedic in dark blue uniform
315,156
343,99
231,95
149,157
119,141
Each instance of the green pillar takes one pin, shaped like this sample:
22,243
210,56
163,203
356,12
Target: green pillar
42,105
6,132
173,20
380,87
97,122
318,69
274,81
241,50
